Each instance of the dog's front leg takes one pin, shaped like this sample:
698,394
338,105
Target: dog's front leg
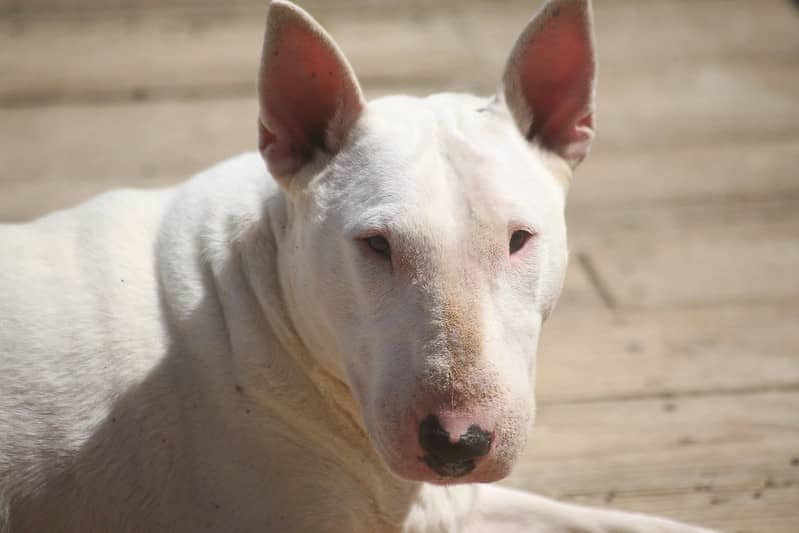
503,510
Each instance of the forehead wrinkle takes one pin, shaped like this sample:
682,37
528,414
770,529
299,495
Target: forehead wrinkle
482,219
505,173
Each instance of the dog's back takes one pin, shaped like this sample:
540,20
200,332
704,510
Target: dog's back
78,322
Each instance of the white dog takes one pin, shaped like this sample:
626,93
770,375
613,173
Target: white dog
345,343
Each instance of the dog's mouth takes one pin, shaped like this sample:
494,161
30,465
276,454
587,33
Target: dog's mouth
445,468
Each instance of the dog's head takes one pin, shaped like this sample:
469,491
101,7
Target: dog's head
425,242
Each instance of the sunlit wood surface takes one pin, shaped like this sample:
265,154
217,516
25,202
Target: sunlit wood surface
669,375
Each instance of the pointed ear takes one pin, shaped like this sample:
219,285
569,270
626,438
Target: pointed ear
550,77
308,95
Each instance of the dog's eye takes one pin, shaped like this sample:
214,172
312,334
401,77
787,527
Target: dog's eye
518,240
379,245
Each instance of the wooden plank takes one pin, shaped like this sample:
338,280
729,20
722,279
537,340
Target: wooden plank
689,174
697,106
758,511
579,292
721,461
61,155
693,256
670,219
668,353
53,60
680,32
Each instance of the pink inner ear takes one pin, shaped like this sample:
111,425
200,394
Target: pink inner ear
305,87
556,73
301,89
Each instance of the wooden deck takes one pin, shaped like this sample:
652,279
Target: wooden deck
669,375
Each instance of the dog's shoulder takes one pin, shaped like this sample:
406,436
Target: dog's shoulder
224,195
82,288
94,244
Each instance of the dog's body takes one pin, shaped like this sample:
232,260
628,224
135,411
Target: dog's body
327,348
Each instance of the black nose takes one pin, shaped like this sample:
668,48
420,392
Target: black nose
447,458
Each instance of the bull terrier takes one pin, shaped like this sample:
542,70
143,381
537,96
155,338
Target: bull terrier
334,334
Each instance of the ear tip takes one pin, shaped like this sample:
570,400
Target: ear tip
581,6
575,3
284,9
282,4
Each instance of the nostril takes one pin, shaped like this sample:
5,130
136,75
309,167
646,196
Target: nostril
435,440
432,436
476,440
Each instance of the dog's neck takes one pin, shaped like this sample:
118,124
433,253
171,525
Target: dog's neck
262,252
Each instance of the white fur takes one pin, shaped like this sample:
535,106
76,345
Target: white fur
228,356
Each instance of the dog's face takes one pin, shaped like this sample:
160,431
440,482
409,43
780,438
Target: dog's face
437,248
427,241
